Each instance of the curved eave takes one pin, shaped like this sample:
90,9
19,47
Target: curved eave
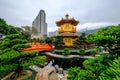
72,21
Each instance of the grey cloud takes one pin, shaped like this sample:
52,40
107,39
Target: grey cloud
23,12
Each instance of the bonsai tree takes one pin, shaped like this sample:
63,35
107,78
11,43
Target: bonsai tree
58,40
49,40
81,40
8,29
82,51
13,59
66,51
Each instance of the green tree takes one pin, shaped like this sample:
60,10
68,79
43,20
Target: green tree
102,67
81,40
34,30
3,26
58,40
27,31
93,68
108,37
8,29
13,59
49,40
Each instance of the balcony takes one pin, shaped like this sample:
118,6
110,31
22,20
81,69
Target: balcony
67,30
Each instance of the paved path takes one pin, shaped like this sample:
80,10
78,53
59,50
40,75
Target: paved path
66,56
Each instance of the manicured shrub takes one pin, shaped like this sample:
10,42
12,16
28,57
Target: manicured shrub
82,51
66,51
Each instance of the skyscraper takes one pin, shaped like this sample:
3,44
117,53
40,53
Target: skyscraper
39,25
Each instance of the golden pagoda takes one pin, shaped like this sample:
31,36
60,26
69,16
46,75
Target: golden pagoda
67,29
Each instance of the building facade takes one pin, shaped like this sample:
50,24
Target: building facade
39,25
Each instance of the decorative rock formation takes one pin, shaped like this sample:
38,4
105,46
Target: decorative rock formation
65,77
47,73
60,70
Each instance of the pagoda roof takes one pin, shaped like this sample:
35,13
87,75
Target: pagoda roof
67,20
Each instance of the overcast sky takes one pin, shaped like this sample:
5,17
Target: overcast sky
90,13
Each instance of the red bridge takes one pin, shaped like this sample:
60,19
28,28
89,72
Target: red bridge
39,47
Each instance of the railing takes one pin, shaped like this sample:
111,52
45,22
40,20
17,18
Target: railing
61,30
39,47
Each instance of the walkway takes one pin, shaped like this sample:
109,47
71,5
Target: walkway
66,56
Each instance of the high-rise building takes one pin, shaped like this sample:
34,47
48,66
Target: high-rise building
39,25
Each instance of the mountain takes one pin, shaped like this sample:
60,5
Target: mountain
87,32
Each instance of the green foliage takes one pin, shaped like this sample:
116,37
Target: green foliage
81,39
20,46
79,74
66,51
93,68
9,56
102,67
81,51
95,51
14,41
107,37
58,40
41,41
49,40
72,73
3,26
7,67
11,53
33,61
37,40
97,65
8,29
113,72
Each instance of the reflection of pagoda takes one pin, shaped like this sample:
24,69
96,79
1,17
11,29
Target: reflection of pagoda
67,30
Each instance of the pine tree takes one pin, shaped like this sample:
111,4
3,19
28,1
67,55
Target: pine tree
13,59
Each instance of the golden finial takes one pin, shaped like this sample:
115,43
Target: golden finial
66,16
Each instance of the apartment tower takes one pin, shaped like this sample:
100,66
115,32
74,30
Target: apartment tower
39,25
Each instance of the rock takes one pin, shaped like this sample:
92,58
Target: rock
56,68
47,73
65,77
60,70
65,72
